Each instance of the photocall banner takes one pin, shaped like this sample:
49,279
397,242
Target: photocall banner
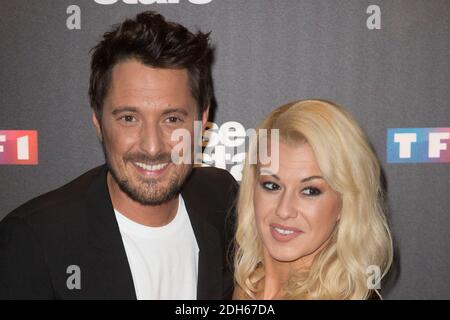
386,62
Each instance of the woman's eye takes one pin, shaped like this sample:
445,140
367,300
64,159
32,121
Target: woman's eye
270,186
311,191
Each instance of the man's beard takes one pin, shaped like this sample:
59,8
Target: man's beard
148,193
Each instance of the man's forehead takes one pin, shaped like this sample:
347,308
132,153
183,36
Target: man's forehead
134,74
134,84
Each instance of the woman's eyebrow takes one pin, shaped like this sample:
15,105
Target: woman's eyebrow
263,171
266,172
312,178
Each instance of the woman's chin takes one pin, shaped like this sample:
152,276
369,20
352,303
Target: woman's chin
285,255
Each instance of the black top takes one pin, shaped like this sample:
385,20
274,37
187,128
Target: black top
76,225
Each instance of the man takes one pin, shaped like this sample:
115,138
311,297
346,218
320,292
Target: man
141,226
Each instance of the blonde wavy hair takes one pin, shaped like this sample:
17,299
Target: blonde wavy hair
360,239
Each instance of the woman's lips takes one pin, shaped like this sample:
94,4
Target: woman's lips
283,233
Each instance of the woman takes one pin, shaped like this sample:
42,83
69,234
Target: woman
314,228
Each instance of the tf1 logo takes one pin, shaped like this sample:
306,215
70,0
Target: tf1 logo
19,147
415,145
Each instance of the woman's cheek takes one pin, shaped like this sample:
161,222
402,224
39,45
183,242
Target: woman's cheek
321,223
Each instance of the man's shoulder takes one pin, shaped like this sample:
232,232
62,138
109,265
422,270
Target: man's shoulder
210,190
211,182
58,200
211,177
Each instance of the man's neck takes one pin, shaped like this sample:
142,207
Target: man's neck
151,216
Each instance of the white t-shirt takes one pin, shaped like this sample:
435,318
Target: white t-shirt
163,260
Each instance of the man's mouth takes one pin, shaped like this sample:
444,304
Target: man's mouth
151,167
153,171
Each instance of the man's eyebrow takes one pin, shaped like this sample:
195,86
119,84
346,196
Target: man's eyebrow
134,109
123,109
176,110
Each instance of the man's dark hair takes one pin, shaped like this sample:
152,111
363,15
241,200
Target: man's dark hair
155,42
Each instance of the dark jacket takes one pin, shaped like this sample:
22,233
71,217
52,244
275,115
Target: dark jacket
76,225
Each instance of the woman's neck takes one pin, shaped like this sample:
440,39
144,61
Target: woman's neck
277,273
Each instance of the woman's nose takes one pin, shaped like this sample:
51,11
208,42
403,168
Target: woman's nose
287,205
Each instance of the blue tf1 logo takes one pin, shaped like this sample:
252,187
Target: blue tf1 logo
418,145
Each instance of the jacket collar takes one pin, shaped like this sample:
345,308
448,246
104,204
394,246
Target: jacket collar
209,285
105,236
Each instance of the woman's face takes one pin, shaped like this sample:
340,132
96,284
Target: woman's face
296,210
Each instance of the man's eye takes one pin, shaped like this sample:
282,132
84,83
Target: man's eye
173,120
311,191
270,186
128,118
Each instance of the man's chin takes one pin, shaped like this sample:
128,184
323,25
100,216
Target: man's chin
151,189
154,195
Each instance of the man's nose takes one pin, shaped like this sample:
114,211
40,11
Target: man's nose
287,205
151,139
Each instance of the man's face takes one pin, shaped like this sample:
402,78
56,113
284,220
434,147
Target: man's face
142,108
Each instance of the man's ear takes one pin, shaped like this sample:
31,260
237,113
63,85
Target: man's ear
97,126
205,115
